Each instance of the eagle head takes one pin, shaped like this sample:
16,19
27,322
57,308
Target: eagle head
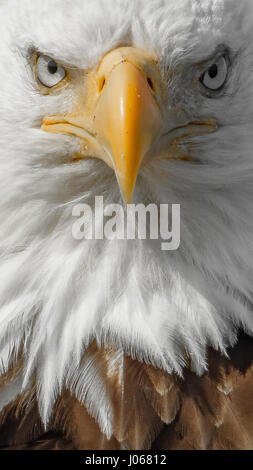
138,102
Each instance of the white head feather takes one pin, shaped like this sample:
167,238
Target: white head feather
58,294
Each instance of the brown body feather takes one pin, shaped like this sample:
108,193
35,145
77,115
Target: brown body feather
151,410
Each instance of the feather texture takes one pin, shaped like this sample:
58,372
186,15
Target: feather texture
151,409
142,308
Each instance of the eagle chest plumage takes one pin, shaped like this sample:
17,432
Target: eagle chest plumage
120,332
150,409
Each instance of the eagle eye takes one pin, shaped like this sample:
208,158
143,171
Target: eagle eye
49,72
216,75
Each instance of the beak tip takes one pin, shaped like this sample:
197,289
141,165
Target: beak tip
127,198
126,185
127,191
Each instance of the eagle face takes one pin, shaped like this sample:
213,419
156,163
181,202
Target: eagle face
148,102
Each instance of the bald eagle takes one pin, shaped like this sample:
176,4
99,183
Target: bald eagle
116,344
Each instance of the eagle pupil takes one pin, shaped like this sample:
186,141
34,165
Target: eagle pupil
52,67
213,71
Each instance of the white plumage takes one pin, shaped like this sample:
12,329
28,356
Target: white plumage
58,294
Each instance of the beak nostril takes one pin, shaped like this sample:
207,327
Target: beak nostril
151,84
101,84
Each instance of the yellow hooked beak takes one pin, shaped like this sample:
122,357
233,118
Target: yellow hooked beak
128,120
119,119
